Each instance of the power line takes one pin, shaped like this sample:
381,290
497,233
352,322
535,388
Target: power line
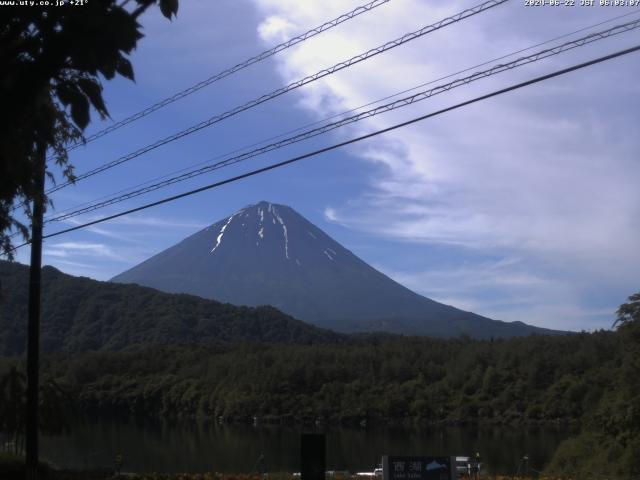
230,71
417,97
348,142
326,119
219,76
337,115
292,86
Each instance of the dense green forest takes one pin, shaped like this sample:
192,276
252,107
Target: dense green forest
532,380
240,364
589,379
609,443
80,314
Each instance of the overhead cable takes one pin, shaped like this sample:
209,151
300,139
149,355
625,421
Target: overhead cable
231,70
345,143
219,76
333,116
292,86
403,102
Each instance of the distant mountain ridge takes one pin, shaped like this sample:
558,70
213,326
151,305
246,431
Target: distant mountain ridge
79,314
269,254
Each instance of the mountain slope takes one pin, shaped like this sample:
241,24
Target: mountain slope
80,314
269,254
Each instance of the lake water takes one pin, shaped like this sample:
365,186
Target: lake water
236,448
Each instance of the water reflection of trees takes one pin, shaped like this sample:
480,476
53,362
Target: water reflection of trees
55,409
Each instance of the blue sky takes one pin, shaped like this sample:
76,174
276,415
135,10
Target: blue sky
524,207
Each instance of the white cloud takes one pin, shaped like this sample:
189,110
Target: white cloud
547,173
159,222
509,289
142,221
276,29
81,249
77,265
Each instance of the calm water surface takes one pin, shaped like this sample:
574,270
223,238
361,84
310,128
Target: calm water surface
236,448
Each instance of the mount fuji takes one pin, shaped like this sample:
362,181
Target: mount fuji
268,254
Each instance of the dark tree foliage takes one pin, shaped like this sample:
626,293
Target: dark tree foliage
588,380
53,61
56,407
391,380
79,314
12,407
609,442
168,356
630,311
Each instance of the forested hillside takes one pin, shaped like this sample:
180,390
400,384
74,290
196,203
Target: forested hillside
533,380
588,380
246,364
609,443
80,314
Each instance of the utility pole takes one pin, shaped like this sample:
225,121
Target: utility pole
33,327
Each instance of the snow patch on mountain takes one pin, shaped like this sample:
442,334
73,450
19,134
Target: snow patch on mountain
219,238
284,232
